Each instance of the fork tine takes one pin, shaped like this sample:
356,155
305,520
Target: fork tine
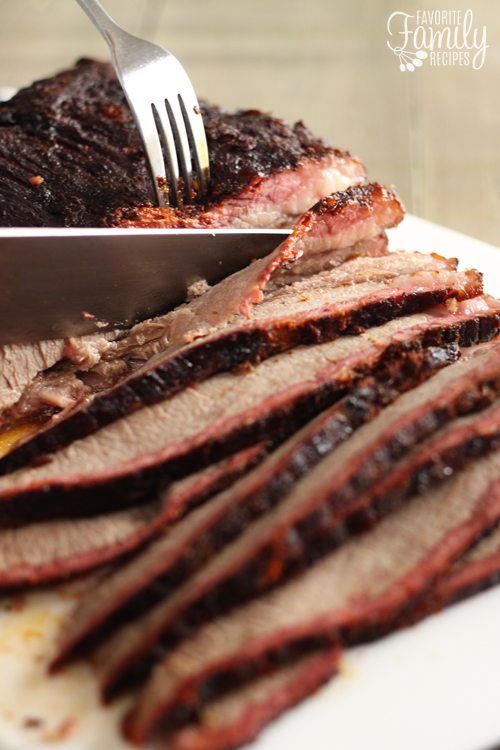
149,133
196,133
184,149
171,127
167,139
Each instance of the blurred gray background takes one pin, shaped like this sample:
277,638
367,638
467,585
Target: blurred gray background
435,133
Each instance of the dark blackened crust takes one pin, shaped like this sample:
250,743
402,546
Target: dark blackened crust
250,145
365,196
361,504
238,676
224,352
75,130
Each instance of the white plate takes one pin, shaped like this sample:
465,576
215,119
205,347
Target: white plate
433,687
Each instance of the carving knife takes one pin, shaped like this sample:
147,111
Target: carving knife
65,282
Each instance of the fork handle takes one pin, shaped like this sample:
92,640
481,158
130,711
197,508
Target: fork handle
100,18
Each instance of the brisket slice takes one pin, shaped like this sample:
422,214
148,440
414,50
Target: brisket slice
476,571
75,130
245,342
364,583
225,413
340,226
358,481
150,575
41,552
239,716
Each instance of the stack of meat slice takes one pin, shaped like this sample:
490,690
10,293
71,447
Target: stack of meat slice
277,553
345,596
303,500
297,459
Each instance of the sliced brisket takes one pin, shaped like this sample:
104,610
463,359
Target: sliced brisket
476,571
238,717
356,308
40,552
227,412
361,585
76,132
358,482
168,561
244,341
341,227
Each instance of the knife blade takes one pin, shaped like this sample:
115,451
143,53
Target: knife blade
66,282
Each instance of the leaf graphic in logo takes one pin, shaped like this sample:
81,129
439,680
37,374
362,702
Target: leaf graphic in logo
410,61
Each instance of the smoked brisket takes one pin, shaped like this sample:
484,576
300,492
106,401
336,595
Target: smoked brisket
20,364
361,585
354,486
477,570
179,553
239,716
154,360
291,462
36,553
227,412
71,155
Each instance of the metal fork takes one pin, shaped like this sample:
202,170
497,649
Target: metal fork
165,108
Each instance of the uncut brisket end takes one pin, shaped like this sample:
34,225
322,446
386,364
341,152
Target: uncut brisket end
167,561
320,511
228,412
272,327
76,132
364,583
40,552
239,716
